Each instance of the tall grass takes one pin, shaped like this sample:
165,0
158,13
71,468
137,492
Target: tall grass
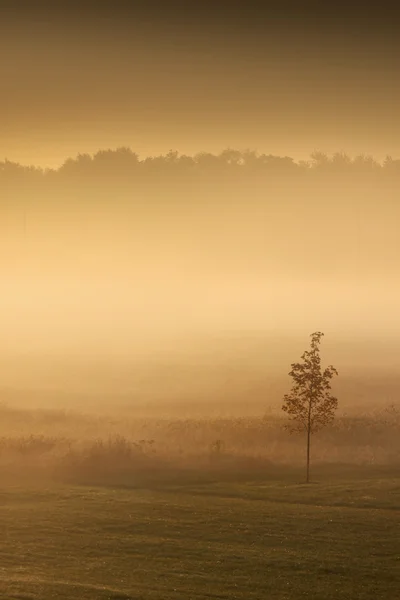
121,450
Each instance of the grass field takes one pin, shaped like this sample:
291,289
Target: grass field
338,538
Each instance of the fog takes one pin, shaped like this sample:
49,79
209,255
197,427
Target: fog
258,202
199,299
118,275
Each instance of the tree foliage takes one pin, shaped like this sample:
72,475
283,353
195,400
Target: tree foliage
310,404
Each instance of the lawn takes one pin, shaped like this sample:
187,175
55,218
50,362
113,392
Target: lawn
338,538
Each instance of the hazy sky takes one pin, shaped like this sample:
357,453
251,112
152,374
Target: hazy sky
197,76
130,280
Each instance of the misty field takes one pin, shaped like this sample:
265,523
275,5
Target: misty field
121,448
101,507
338,538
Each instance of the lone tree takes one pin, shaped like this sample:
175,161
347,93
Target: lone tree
310,404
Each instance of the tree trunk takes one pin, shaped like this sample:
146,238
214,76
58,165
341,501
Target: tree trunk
308,454
309,433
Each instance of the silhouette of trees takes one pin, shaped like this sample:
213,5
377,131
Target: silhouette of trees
114,168
124,160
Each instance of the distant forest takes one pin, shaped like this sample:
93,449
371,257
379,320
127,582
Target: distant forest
125,163
245,177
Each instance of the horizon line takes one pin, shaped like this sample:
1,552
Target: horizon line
144,156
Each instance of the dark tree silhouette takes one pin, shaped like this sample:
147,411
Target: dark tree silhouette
310,404
123,162
111,174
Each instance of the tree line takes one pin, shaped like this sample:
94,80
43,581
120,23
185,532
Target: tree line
125,163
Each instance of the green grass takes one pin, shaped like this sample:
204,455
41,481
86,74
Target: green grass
334,539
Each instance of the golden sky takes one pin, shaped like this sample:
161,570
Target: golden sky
196,76
83,276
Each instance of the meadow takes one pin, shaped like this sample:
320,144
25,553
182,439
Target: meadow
122,507
279,539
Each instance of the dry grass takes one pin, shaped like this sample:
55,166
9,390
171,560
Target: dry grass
121,450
